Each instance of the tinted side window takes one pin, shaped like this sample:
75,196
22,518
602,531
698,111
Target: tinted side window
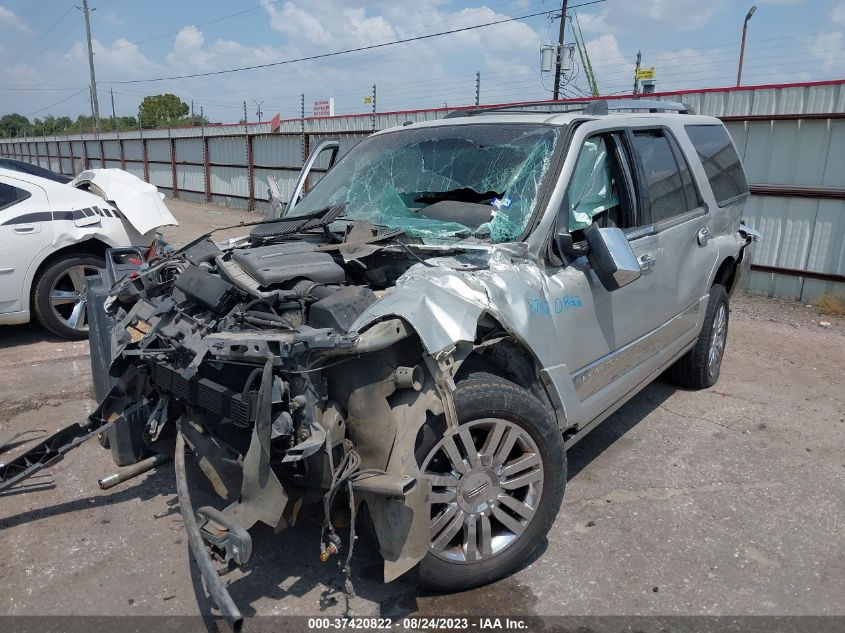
9,195
721,163
666,187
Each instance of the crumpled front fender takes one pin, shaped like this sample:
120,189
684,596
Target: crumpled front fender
441,307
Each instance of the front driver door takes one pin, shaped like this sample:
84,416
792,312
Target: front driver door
610,341
26,229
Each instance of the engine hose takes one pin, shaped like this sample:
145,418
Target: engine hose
266,323
200,553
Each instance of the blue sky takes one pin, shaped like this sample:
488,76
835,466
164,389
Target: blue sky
691,43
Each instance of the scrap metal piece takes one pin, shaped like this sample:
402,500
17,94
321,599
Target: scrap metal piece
263,497
227,537
130,472
212,580
443,370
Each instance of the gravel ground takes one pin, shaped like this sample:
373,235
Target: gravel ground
728,501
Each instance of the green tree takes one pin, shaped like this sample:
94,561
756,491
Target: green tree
162,111
14,125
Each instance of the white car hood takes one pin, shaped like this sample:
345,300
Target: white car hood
139,202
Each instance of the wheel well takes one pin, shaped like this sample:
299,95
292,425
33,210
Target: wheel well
510,360
726,274
91,246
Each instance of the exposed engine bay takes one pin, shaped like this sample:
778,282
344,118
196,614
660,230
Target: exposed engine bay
247,351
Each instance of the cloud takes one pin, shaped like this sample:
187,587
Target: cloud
9,18
595,22
837,14
829,48
684,14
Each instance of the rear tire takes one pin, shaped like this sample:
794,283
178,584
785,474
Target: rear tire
58,297
699,368
503,495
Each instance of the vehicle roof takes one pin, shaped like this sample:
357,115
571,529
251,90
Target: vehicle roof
565,118
31,168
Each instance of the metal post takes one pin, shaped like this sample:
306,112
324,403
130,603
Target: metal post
175,186
742,46
556,95
122,154
95,107
302,126
206,166
146,161
374,107
250,163
59,156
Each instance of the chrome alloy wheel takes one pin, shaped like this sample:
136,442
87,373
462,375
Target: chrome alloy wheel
487,481
718,337
67,296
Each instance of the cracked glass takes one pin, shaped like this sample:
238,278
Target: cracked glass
442,183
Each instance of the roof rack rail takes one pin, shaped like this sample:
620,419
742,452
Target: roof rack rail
598,108
516,108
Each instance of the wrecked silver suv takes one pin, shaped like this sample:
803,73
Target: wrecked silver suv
423,334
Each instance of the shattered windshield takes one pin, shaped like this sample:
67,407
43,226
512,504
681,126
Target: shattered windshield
442,183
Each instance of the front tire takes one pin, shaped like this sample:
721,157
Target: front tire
700,367
59,295
497,484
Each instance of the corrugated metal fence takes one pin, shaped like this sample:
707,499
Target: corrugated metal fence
791,138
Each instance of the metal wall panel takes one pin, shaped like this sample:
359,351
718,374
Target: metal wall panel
227,150
189,150
158,149
190,178
277,150
230,181
132,150
160,175
286,180
112,150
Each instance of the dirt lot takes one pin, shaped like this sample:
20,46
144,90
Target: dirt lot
726,501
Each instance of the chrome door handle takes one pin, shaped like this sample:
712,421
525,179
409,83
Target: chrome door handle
647,262
24,228
703,236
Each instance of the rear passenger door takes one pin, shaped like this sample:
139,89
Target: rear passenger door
674,237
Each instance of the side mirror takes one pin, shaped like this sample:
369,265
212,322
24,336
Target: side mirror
611,257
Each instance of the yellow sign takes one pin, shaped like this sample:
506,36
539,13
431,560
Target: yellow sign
645,73
368,100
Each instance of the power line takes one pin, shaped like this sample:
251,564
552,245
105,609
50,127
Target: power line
52,105
343,52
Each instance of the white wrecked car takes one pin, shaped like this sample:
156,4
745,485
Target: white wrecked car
52,235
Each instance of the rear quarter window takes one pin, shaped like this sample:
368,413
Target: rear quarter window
720,160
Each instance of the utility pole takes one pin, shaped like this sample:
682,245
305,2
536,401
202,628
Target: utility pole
477,88
192,109
742,46
637,73
245,117
258,106
202,114
560,49
113,115
95,107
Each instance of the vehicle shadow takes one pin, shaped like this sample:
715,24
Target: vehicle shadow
608,432
26,334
